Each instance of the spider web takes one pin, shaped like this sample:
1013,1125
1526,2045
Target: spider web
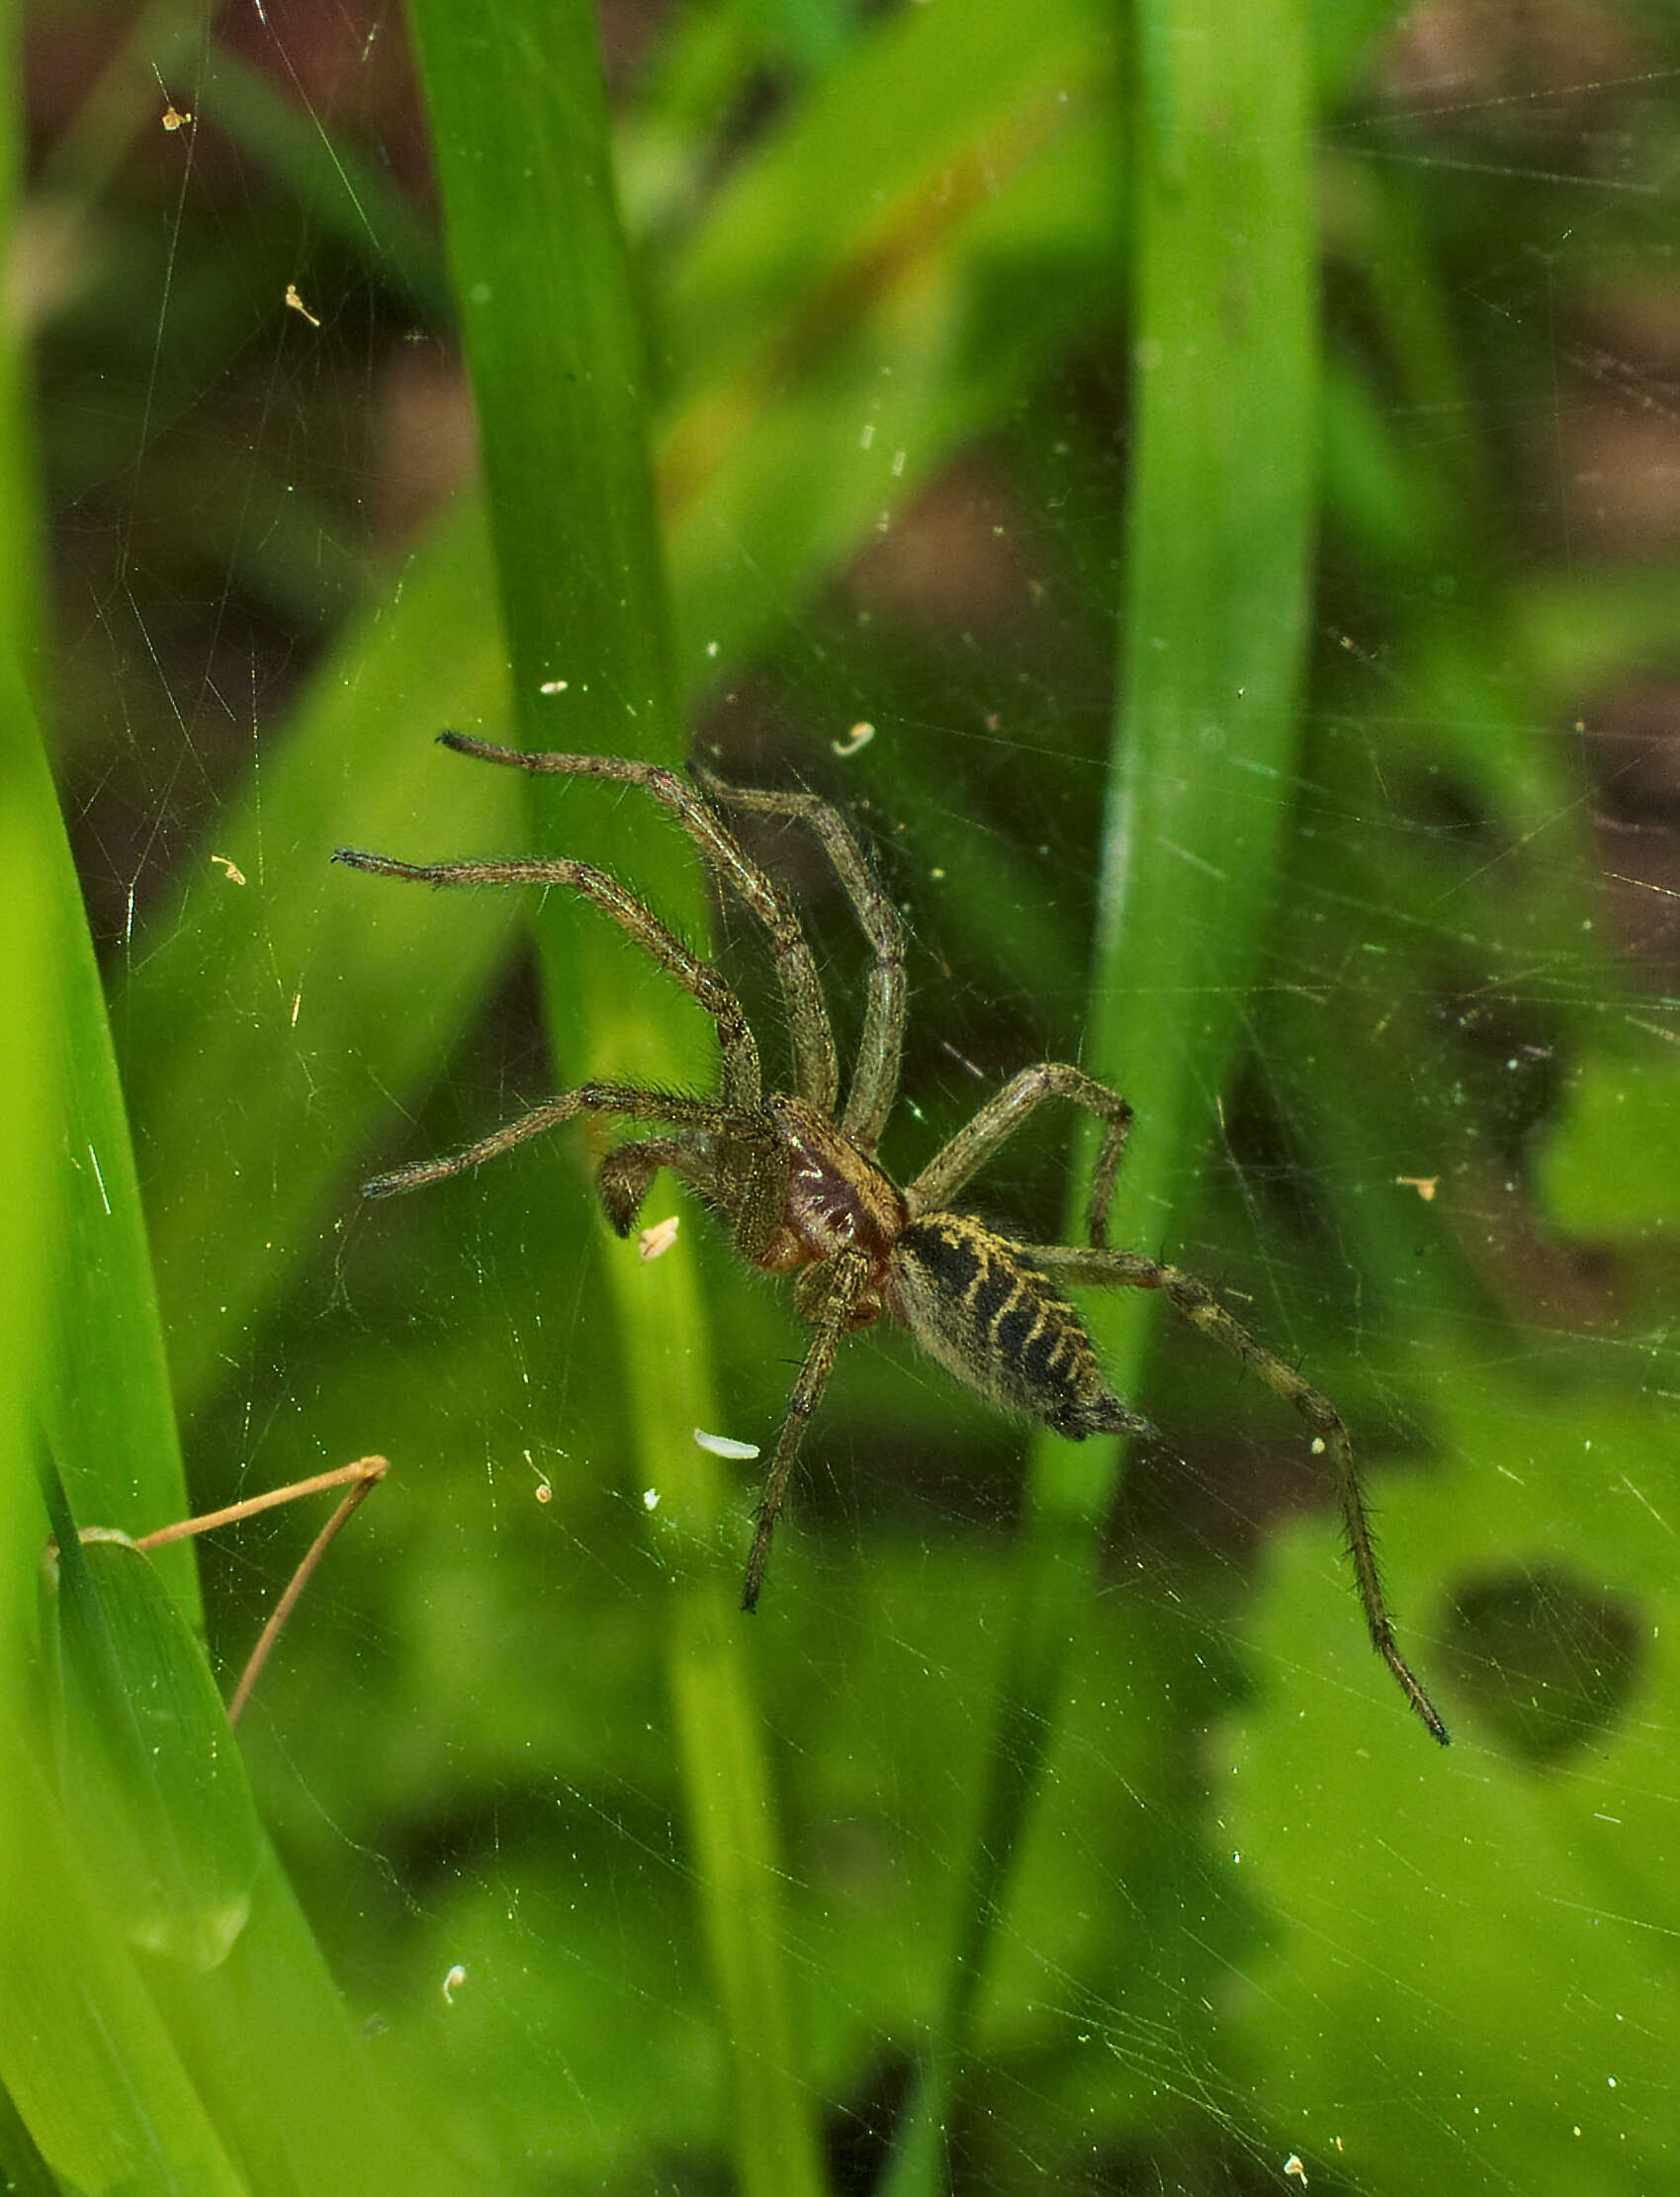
1259,1932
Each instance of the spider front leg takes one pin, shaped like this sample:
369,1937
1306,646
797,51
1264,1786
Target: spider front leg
875,1076
816,1069
1196,1302
740,1079
623,1099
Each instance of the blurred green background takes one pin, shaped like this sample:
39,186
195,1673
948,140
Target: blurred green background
1231,465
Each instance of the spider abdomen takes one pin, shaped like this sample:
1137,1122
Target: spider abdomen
975,1302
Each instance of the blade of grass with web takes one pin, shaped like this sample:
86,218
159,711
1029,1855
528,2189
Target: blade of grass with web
520,134
1218,543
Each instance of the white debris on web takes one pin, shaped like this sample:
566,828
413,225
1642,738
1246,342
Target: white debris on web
860,735
1426,1186
553,687
234,874
649,1497
722,1445
1292,2165
298,305
452,1982
654,1242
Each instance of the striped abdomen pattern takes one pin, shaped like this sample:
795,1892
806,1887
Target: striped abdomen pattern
978,1305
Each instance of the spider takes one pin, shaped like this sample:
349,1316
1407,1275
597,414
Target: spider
798,1182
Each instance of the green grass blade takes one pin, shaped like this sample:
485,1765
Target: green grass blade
116,2071
88,2060
1219,539
90,1332
925,118
26,2172
103,1402
29,1095
147,1778
560,388
110,1416
241,2045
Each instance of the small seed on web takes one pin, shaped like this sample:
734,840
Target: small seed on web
723,1446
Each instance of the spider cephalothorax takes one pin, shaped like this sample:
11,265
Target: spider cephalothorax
798,1182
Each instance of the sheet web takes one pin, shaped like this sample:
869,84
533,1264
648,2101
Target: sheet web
1260,1932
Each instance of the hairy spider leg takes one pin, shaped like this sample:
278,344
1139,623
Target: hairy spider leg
1131,1269
979,1139
832,1313
815,1064
623,1099
741,1081
875,1074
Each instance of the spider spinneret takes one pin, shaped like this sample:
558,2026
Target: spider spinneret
798,1182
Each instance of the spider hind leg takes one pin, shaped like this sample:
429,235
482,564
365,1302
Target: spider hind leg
1131,1269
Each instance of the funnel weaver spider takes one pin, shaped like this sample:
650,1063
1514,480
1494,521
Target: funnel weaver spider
799,1186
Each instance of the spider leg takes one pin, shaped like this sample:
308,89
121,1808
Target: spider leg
816,1069
740,1079
874,1078
611,1099
1198,1303
834,1315
1000,1117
